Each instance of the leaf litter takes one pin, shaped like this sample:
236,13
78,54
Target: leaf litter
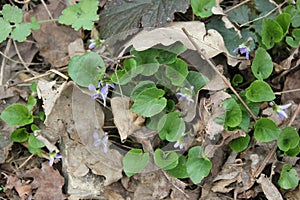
72,117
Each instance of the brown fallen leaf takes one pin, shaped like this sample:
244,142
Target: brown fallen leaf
47,181
125,120
23,188
269,188
53,39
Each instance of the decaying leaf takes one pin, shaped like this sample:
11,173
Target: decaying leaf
121,15
5,145
210,41
52,38
23,188
125,120
47,181
269,188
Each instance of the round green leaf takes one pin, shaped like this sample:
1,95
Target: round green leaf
141,86
5,29
16,115
84,69
197,167
265,130
134,161
177,72
240,144
288,177
262,65
180,170
288,139
12,13
21,32
259,91
202,8
233,115
164,160
171,126
146,61
271,32
19,135
34,143
149,102
293,152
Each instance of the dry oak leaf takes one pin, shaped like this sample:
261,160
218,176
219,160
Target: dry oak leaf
47,181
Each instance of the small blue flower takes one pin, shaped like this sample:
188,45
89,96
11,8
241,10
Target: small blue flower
100,93
53,156
244,48
92,44
102,141
280,110
186,95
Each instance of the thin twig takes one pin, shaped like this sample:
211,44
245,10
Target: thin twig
219,73
259,18
287,91
236,6
15,61
49,13
3,63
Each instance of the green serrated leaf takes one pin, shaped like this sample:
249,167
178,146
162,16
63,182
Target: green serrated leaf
34,24
5,29
19,135
177,72
81,15
12,14
16,115
21,32
288,177
265,130
149,102
288,139
240,144
259,91
165,161
180,170
141,86
271,32
197,166
146,61
202,8
233,114
262,65
84,69
171,126
134,161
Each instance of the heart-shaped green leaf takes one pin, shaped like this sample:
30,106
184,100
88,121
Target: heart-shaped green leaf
171,126
19,135
149,102
265,130
288,177
84,69
180,170
141,86
288,139
271,32
233,114
16,115
164,160
262,65
240,144
259,91
177,72
134,161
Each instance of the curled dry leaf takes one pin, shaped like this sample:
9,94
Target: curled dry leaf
269,188
47,181
125,120
22,188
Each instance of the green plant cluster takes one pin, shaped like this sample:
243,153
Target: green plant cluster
157,80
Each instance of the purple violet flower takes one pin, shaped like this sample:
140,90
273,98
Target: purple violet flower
244,48
102,141
54,156
100,93
280,110
186,95
92,44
